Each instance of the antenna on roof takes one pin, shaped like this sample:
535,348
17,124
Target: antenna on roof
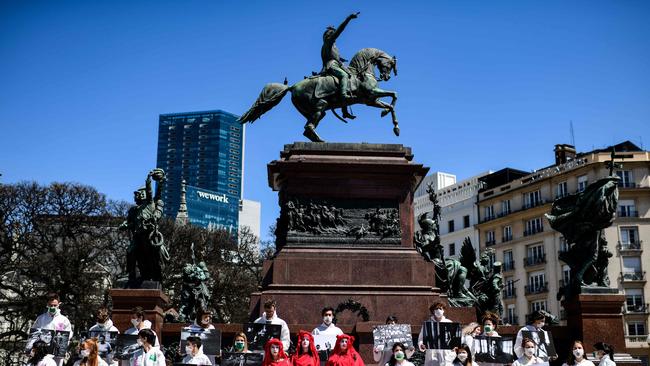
573,136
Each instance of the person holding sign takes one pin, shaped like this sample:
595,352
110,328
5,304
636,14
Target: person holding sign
490,321
605,353
270,316
274,354
327,327
344,353
150,355
104,323
306,354
139,323
40,355
202,322
240,343
528,357
463,356
382,353
398,357
436,357
194,354
52,319
470,331
577,356
89,352
538,320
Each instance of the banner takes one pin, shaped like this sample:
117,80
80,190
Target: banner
543,341
438,335
210,339
493,349
57,340
259,333
387,335
324,345
241,359
106,342
126,346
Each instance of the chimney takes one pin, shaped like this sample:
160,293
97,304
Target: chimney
564,153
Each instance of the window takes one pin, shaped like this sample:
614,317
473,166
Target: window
505,207
489,212
561,190
537,281
631,267
627,208
466,221
535,254
564,246
511,317
582,183
489,238
629,235
636,329
634,300
508,261
450,225
452,249
537,305
507,233
532,199
533,226
566,275
509,288
491,259
626,179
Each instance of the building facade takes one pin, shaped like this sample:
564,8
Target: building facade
511,221
457,201
206,150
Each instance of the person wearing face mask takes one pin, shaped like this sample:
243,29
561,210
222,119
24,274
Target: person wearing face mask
463,356
577,356
270,316
40,355
194,354
306,354
436,357
104,322
274,354
327,327
538,320
470,331
398,356
344,353
490,322
52,319
89,352
605,353
150,354
528,358
381,355
240,343
203,321
139,323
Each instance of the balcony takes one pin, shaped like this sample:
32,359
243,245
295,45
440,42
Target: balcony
636,276
506,239
628,213
634,246
488,218
537,289
508,266
529,205
626,185
504,213
636,309
636,338
533,231
490,242
509,293
534,260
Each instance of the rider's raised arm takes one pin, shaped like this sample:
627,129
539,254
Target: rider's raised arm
341,27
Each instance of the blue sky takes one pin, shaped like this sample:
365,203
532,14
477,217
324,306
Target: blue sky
482,85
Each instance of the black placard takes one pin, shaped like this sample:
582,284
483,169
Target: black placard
493,349
437,335
210,339
241,359
543,341
57,340
388,334
259,333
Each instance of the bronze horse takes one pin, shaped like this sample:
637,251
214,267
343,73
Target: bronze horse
313,96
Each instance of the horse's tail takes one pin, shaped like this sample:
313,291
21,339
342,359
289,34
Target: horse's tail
270,96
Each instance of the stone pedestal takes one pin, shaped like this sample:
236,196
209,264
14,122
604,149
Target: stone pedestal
596,317
346,232
152,301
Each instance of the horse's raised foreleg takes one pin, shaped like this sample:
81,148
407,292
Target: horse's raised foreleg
388,108
380,93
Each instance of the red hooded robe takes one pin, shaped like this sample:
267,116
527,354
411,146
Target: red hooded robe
304,358
283,359
349,357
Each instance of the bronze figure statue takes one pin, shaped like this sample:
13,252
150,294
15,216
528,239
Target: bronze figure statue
147,250
335,87
195,289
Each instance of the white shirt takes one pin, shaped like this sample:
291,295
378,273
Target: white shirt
327,329
106,327
519,351
197,328
525,361
284,333
154,357
48,360
198,359
584,362
435,357
606,361
56,322
145,325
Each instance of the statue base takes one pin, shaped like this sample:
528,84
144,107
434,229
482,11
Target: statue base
346,232
152,301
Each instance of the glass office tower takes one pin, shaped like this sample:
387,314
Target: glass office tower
206,150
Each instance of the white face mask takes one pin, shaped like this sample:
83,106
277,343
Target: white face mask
529,351
578,352
135,322
462,356
188,350
140,343
327,319
540,325
438,313
84,353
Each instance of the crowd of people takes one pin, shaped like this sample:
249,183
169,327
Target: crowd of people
530,344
